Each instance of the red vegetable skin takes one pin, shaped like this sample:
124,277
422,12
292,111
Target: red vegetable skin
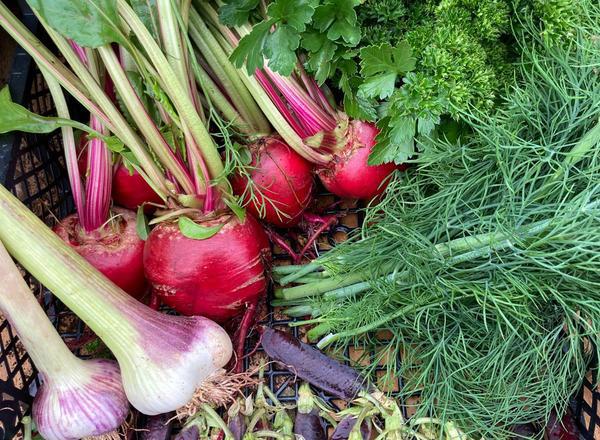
130,190
283,183
214,277
118,254
348,175
564,429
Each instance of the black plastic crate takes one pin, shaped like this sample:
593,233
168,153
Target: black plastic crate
32,167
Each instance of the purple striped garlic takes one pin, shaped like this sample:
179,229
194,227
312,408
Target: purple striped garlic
77,398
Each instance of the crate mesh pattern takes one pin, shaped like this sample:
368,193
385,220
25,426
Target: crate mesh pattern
32,167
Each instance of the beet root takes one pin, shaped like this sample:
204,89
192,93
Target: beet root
130,190
215,277
348,174
283,183
115,250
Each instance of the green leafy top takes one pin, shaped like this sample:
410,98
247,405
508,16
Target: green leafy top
325,29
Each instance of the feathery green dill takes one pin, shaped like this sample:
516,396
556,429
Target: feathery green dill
484,260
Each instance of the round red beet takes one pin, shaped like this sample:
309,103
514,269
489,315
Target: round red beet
214,277
130,190
116,250
283,183
348,175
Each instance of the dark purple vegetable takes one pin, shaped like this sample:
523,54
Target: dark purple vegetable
311,365
309,426
190,433
343,429
158,427
237,426
565,429
524,431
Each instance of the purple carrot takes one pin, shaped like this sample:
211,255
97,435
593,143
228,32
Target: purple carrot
237,426
190,433
309,426
524,431
308,421
313,366
158,427
344,428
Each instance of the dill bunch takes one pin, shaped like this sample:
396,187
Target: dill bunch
483,262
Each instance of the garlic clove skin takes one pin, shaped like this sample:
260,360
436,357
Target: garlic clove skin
82,402
162,372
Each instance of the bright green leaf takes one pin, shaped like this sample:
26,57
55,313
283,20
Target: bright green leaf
358,107
114,144
322,52
15,117
338,19
90,23
348,32
281,48
381,86
141,223
250,48
382,65
191,229
237,12
236,208
294,13
395,142
425,126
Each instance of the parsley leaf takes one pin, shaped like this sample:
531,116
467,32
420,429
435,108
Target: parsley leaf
338,19
281,49
237,12
294,13
251,48
382,65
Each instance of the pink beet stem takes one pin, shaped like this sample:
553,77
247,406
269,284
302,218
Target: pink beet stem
99,181
315,91
309,112
280,104
98,185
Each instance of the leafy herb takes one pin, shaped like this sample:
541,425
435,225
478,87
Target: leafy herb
482,265
381,66
324,28
237,12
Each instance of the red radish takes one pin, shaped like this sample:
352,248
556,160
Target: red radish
282,180
348,174
115,249
213,277
130,190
